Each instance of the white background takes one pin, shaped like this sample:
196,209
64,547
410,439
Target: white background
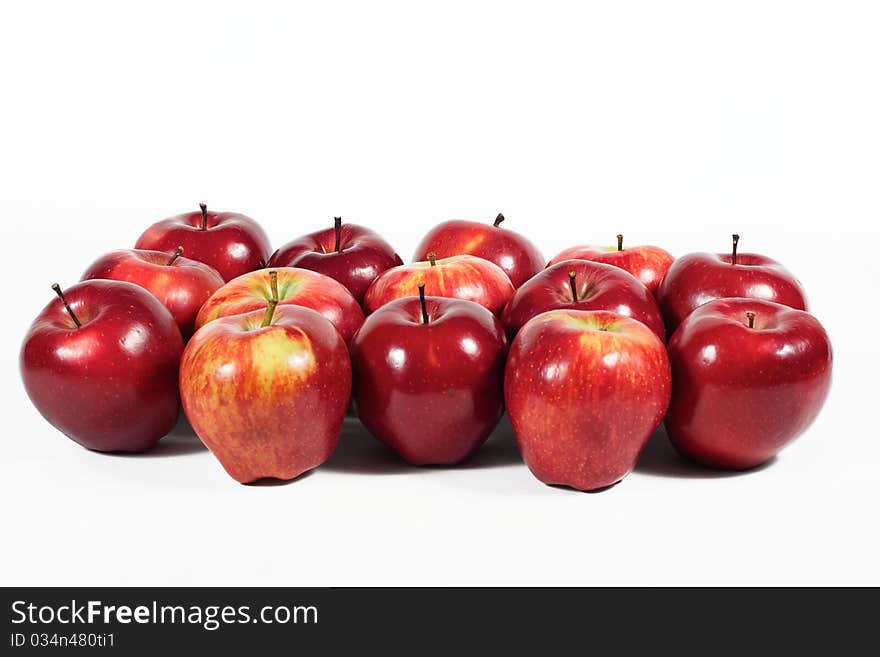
676,123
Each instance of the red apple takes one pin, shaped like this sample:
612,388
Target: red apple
428,377
749,376
230,242
698,278
516,255
583,285
348,253
181,284
266,391
584,391
647,263
296,287
100,364
459,277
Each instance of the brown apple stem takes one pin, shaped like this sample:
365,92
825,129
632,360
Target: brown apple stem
751,317
270,308
733,253
177,253
620,242
60,294
337,225
432,258
422,300
574,292
204,209
498,220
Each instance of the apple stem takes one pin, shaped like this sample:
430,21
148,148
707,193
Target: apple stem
270,309
432,257
204,209
422,301
337,225
751,317
574,292
620,242
60,294
733,253
177,253
498,220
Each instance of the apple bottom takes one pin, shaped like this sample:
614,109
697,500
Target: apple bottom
300,441
729,429
443,431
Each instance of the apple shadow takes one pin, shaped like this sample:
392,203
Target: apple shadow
359,452
271,482
180,441
660,459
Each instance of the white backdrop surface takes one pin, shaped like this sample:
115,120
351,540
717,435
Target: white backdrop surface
674,123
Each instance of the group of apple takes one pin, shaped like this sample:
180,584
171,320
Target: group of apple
267,351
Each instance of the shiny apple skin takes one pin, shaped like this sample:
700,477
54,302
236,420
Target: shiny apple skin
740,395
182,287
432,392
649,264
599,287
458,277
297,287
515,254
584,392
362,256
232,243
267,401
110,385
698,278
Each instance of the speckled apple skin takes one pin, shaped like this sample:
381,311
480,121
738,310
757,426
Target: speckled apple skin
459,277
698,278
649,264
584,391
741,394
514,253
296,287
267,401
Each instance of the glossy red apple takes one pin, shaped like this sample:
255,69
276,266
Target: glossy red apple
296,287
583,285
428,377
459,277
516,255
100,364
230,242
647,263
698,278
266,391
584,391
749,376
181,284
348,253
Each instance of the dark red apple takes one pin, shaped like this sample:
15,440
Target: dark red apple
698,278
181,284
516,255
266,391
348,253
230,242
647,263
459,277
584,391
100,364
749,376
583,285
296,287
428,377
